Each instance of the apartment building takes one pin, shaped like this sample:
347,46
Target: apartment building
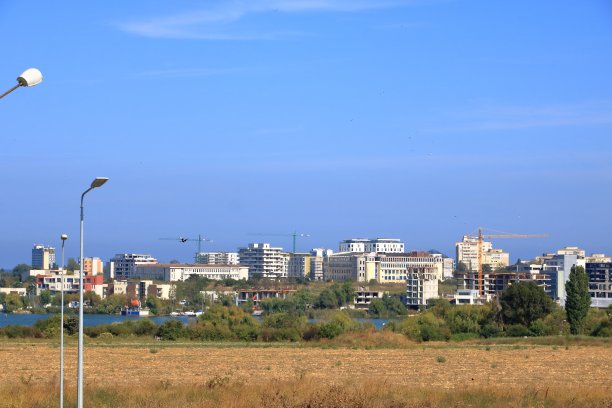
600,283
467,254
123,266
299,265
263,260
93,266
217,258
52,281
43,257
372,245
140,289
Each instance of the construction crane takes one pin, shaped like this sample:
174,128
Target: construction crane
199,240
480,237
294,235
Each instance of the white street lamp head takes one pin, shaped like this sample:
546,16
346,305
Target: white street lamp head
99,182
30,77
64,237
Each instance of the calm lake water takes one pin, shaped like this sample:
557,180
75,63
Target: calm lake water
7,319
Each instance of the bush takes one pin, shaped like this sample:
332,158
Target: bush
517,330
172,330
424,327
489,330
225,323
21,332
281,334
603,329
330,330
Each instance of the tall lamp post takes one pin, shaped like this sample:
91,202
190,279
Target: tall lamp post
98,182
29,77
64,237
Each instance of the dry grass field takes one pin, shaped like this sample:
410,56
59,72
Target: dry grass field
152,374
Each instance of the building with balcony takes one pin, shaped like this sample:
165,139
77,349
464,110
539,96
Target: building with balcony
263,260
600,283
123,266
372,245
217,258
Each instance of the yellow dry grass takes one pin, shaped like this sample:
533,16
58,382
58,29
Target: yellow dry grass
435,375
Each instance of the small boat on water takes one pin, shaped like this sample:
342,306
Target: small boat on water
134,309
134,312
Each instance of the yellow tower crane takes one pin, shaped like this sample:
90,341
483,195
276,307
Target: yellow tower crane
480,237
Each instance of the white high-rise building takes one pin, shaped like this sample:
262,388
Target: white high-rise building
264,260
385,245
217,258
43,257
123,266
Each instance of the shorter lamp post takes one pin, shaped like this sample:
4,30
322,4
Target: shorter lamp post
64,237
29,77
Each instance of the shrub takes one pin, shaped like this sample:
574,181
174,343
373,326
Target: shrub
330,330
21,332
172,330
489,330
517,330
424,327
282,334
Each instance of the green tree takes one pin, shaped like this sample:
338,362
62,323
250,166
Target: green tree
73,265
91,299
327,300
112,304
523,303
578,299
22,268
45,297
13,302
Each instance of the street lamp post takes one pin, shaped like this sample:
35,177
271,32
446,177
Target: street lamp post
98,182
29,77
64,237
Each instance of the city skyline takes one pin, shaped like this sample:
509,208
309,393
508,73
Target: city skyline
418,120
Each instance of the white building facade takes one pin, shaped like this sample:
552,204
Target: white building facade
372,245
182,272
217,258
264,260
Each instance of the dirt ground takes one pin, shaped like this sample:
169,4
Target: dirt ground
446,367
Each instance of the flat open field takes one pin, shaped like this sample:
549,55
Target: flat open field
447,368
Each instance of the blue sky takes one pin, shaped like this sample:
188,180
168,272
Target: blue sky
413,119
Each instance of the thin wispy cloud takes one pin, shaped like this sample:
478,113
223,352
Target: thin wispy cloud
219,21
499,118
